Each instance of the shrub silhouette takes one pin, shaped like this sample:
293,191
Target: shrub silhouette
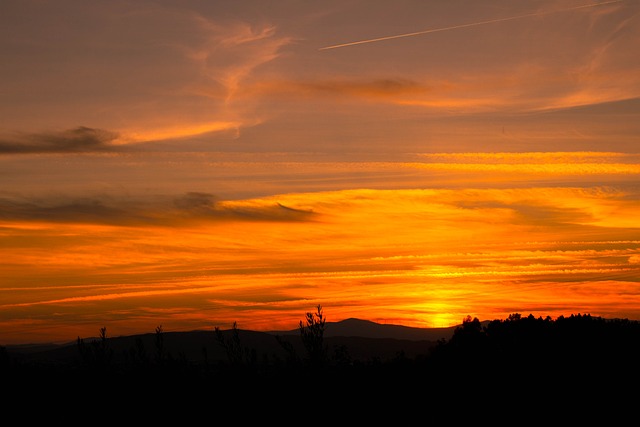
312,334
237,355
231,345
97,353
159,341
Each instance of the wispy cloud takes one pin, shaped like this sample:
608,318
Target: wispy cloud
230,53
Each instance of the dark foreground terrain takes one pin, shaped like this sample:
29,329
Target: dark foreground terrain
519,360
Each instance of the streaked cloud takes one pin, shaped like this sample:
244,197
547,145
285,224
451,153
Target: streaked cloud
556,163
567,75
538,168
179,132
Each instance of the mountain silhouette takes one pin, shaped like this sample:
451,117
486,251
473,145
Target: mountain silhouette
353,327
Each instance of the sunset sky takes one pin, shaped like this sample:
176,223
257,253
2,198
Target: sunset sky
191,164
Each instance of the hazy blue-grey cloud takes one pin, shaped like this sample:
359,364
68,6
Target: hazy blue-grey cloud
535,214
376,88
77,140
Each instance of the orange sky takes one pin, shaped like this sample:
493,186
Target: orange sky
471,158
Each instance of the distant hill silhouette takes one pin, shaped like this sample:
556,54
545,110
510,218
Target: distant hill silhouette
365,340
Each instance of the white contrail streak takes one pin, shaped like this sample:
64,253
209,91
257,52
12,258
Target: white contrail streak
473,24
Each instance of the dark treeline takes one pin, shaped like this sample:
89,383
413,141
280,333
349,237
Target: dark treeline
528,346
578,349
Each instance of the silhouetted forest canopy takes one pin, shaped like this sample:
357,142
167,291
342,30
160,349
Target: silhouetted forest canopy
518,348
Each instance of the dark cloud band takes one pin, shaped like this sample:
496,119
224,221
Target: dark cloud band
78,140
185,209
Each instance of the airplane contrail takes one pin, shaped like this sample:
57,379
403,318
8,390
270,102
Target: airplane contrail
472,24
